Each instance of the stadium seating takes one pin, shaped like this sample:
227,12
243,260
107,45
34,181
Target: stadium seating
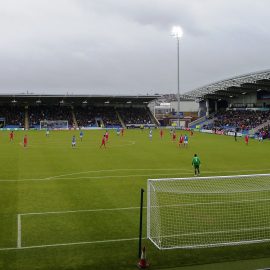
97,116
238,120
41,113
137,116
86,116
14,116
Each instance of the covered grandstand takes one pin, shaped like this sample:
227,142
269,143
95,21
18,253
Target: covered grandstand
240,103
28,111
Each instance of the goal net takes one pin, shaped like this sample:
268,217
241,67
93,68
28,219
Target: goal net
54,124
208,211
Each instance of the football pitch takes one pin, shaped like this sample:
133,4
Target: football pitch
78,208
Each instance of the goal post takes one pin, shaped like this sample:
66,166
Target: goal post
54,124
208,211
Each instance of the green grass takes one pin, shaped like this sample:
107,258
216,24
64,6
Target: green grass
50,176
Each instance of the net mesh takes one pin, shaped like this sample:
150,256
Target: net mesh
203,212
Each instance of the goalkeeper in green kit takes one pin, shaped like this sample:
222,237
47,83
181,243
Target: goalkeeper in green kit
196,164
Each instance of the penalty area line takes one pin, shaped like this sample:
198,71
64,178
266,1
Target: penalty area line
72,244
80,211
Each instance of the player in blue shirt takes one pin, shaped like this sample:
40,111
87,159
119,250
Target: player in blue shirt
118,131
185,140
81,135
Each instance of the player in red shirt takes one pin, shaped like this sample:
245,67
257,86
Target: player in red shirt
103,143
181,140
25,141
11,136
161,133
174,136
246,139
107,136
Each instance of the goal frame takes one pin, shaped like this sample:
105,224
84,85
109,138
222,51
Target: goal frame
149,183
51,122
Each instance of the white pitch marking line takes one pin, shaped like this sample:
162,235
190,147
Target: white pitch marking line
116,176
81,210
62,177
117,170
97,171
73,244
19,232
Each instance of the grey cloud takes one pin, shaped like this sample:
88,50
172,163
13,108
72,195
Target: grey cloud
124,46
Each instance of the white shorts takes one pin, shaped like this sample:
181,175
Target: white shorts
185,142
73,143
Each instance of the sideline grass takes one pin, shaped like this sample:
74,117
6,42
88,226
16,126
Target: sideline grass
91,178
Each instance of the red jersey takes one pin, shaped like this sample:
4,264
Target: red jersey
103,141
11,135
174,136
246,138
161,133
25,140
181,139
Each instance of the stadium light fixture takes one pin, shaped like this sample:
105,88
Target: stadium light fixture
231,96
177,33
244,93
85,102
128,102
62,101
259,90
38,101
14,101
107,102
219,99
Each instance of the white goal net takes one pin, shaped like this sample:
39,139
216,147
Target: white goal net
208,211
54,124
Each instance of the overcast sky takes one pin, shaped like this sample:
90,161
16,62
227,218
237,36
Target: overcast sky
124,46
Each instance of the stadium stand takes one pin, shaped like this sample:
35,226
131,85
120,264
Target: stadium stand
96,117
41,113
28,110
13,116
135,116
238,120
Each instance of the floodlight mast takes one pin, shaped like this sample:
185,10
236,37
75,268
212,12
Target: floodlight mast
177,33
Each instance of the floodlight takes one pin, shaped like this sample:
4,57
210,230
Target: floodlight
177,31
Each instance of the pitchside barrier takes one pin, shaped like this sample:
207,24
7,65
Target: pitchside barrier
208,211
